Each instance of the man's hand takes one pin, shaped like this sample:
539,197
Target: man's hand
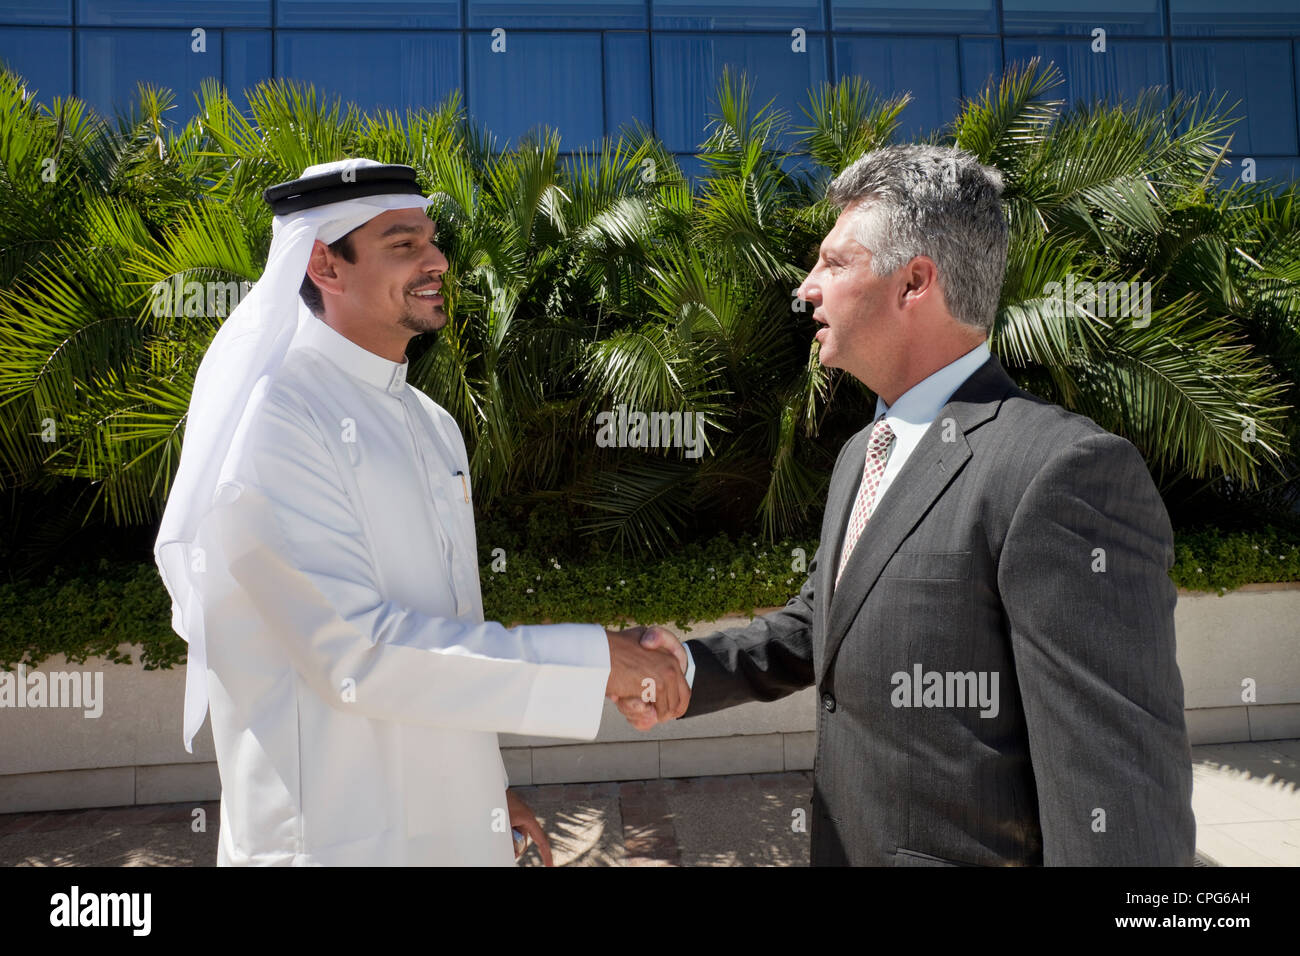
649,671
639,712
523,820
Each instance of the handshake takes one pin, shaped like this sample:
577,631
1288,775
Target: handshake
647,675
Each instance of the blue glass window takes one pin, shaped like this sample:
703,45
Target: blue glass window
1215,18
1279,171
1258,73
112,63
693,168
1126,68
801,164
592,14
246,61
687,69
1125,17
174,13
374,70
627,80
41,57
381,14
540,79
55,12
981,64
739,14
927,68
921,16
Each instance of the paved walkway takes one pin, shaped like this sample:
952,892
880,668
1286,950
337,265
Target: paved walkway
1246,799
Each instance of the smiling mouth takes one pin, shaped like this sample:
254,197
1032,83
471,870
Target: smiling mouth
430,294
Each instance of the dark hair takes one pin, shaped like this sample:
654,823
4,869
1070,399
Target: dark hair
309,292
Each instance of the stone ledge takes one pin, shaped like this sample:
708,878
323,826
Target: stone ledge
565,762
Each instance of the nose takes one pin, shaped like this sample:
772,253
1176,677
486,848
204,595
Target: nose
435,261
809,290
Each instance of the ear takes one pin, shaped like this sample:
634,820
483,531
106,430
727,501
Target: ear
920,281
320,268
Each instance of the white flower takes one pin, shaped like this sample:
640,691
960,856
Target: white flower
731,574
621,583
1199,571
529,591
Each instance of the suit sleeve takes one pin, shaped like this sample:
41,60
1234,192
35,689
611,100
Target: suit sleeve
288,557
1084,580
769,659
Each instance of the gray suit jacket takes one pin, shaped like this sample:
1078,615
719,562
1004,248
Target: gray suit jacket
1025,557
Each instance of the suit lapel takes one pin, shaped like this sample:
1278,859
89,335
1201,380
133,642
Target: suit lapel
929,470
839,501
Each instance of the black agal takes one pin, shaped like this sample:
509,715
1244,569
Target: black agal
310,191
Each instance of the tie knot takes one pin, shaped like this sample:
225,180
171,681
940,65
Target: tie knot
881,436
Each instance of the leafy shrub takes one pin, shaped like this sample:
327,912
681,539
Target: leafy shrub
91,613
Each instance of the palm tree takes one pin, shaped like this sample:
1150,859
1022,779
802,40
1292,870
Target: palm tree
577,286
1127,194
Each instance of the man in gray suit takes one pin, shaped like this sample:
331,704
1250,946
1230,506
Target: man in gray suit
989,620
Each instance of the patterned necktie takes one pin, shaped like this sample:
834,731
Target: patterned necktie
882,439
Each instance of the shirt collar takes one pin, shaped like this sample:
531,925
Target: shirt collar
911,415
351,358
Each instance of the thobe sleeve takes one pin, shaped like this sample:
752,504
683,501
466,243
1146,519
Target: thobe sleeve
293,555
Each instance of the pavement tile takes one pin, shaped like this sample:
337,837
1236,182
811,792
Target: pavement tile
59,821
1219,800
128,816
1276,840
19,822
1245,798
1216,842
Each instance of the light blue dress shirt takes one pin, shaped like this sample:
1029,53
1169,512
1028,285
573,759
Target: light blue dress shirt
910,418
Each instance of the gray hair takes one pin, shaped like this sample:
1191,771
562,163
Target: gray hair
937,202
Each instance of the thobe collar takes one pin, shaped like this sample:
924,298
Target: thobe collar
352,358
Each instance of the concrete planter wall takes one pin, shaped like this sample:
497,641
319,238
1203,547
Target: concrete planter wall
57,758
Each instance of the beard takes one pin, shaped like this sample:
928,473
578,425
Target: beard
421,321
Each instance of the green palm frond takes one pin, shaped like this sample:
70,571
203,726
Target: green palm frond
1013,116
847,120
640,506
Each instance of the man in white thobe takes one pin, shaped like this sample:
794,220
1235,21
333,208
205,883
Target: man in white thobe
321,554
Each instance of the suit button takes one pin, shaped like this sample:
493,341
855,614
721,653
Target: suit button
828,701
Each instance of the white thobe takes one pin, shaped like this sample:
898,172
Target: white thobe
355,691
